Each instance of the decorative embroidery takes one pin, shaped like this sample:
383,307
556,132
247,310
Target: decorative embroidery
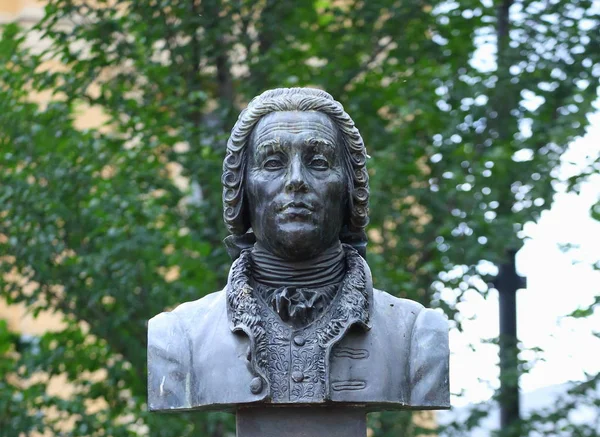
303,392
296,373
307,363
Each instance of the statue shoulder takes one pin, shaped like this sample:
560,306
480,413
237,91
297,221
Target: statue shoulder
170,354
408,313
430,319
396,307
197,311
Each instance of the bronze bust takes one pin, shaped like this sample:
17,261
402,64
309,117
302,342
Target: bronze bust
298,321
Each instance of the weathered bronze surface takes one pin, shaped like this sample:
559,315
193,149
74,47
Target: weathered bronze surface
299,322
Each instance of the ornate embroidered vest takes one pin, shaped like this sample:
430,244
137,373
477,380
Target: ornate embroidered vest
294,361
296,368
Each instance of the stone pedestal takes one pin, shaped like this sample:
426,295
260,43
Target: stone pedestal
301,422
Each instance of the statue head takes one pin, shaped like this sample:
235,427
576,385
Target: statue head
295,174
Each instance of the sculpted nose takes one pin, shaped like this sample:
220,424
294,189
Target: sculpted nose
295,178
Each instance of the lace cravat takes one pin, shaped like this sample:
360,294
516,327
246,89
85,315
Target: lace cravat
296,305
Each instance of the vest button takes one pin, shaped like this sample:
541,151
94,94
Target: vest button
256,385
299,340
297,376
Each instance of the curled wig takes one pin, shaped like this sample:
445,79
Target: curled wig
235,212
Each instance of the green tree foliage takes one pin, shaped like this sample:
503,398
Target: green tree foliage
114,224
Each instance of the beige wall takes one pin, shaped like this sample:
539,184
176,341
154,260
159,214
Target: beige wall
23,11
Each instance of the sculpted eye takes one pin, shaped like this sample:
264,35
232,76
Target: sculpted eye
273,163
319,162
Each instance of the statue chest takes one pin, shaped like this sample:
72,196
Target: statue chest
296,361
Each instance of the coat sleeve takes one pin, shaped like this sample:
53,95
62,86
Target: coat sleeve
169,364
429,361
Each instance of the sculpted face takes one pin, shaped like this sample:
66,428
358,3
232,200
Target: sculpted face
296,184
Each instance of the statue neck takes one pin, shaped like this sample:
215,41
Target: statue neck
326,269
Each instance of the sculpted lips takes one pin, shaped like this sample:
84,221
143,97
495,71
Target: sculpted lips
296,204
296,209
